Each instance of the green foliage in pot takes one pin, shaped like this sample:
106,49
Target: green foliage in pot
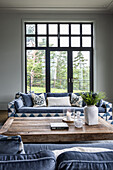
92,98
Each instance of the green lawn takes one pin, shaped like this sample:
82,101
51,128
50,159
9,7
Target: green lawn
53,90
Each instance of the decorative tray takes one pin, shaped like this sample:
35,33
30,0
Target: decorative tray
68,121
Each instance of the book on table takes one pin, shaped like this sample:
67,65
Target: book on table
59,126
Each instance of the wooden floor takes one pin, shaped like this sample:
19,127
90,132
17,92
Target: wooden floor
3,116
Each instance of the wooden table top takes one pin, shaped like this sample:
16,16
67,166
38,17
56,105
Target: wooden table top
37,129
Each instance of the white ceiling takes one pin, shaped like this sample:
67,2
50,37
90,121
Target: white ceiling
72,5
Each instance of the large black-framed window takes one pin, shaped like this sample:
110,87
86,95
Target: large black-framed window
58,56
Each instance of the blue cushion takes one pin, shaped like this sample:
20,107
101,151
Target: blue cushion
18,103
73,160
27,98
47,109
11,145
57,94
43,160
53,109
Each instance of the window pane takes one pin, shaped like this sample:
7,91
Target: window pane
58,71
41,41
86,41
86,29
53,29
75,28
64,28
41,29
81,71
30,28
30,41
75,41
53,42
64,41
36,70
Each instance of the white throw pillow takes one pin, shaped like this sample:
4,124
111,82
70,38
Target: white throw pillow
76,100
80,149
59,101
38,100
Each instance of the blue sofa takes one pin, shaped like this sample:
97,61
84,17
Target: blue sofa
104,108
41,157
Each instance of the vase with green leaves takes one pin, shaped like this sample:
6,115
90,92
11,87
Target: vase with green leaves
91,111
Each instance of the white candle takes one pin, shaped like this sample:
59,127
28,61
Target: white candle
68,115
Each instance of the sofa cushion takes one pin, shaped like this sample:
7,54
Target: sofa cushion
38,100
58,101
43,160
27,99
80,149
53,109
18,103
76,100
57,94
88,161
47,109
11,145
45,94
32,148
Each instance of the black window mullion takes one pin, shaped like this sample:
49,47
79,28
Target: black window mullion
91,70
58,35
69,35
80,35
92,35
25,63
47,43
36,38
47,71
70,72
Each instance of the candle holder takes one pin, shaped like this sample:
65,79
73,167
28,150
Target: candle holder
68,115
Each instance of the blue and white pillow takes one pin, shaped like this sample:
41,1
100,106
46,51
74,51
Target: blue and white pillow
76,100
38,100
11,145
19,103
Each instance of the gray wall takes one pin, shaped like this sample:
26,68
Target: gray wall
11,51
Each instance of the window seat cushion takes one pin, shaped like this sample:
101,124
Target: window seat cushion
53,109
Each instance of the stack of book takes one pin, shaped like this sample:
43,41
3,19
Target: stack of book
59,126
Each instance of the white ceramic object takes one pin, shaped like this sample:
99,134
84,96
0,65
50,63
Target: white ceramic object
91,115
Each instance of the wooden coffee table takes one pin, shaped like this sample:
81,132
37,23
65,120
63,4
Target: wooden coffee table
38,130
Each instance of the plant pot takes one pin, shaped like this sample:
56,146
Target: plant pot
91,115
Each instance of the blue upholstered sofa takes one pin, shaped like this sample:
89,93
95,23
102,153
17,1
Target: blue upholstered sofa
42,157
104,108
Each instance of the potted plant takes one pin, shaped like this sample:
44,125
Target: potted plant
91,111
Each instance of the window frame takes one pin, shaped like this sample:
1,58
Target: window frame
68,49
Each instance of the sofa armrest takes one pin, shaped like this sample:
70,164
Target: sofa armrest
108,107
11,109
